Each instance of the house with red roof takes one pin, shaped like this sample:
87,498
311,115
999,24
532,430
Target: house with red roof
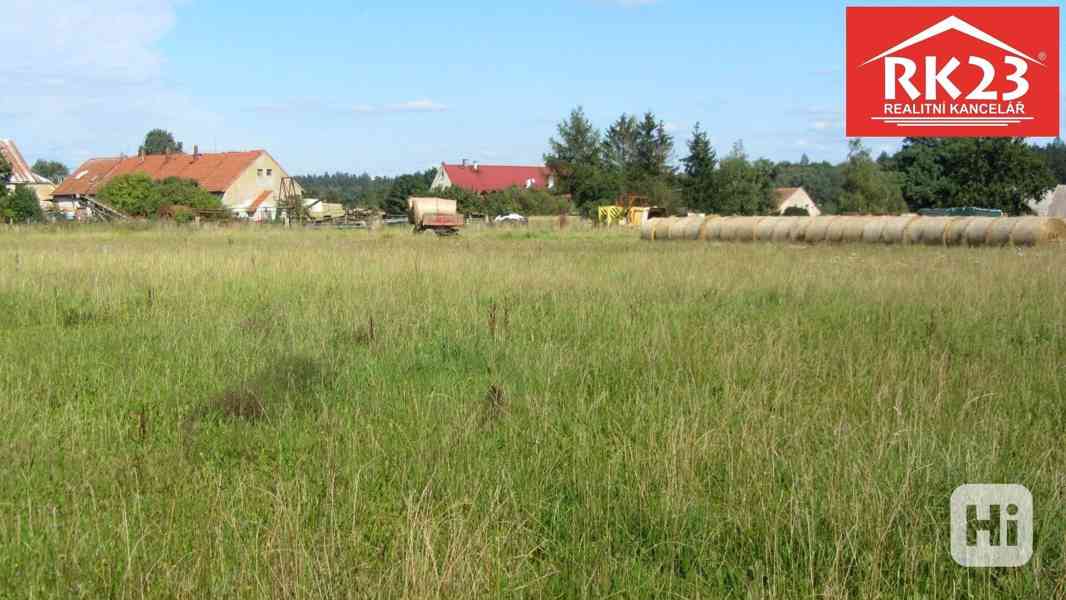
482,179
248,183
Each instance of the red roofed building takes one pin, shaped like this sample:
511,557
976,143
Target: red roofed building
249,183
481,179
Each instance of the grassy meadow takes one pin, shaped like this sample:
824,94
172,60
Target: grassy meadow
270,413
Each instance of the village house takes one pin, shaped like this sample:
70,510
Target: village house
21,175
247,183
787,198
482,179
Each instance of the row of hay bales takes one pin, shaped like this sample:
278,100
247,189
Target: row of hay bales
931,231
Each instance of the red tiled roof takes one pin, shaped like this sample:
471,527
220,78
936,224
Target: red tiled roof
493,178
20,170
259,200
213,172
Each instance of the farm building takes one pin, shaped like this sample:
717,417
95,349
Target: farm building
787,198
21,173
247,183
1052,205
481,179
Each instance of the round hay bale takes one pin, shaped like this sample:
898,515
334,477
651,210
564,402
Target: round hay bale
978,229
929,231
764,230
799,229
955,234
871,233
704,224
1031,231
661,231
853,228
677,228
999,233
739,229
834,234
647,229
783,229
818,229
692,227
712,231
895,230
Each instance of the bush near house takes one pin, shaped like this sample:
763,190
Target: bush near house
20,206
139,195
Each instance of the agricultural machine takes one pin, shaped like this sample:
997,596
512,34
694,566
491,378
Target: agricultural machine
434,214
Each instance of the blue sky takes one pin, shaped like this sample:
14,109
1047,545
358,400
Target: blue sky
390,87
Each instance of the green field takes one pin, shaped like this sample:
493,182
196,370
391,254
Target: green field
301,414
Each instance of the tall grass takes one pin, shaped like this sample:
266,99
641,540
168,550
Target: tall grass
268,413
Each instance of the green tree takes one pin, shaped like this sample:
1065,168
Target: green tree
654,148
744,188
577,160
159,141
1001,173
619,152
186,192
1054,155
20,206
867,188
699,178
134,194
53,170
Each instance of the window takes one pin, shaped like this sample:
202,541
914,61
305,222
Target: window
259,172
270,172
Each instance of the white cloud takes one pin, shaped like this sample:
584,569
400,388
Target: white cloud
87,77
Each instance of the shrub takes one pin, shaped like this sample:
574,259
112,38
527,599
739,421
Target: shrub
20,206
139,195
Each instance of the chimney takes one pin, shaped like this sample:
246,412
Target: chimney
476,166
195,151
464,163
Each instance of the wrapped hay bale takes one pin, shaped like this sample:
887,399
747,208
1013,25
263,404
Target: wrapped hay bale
818,229
783,229
1031,231
712,232
661,231
647,229
895,230
764,230
999,232
853,228
740,229
955,234
871,233
799,230
977,231
929,231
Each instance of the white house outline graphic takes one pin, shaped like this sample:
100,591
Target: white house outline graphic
953,23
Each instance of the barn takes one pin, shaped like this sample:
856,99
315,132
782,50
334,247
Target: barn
21,175
248,183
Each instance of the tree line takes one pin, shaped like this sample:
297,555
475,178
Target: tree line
634,156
